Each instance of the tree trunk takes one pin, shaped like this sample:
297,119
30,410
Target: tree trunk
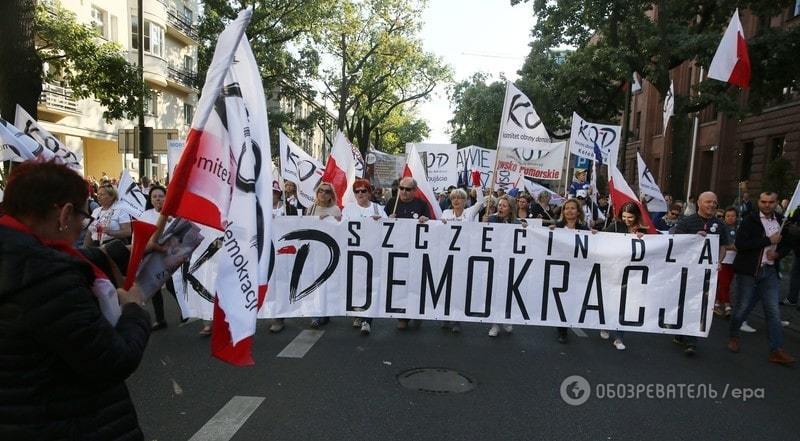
20,65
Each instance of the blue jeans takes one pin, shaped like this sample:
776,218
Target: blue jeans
749,290
794,281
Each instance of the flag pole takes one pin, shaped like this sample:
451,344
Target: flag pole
694,141
566,175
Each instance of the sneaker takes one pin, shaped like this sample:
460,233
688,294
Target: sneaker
718,310
276,326
747,328
678,340
787,302
456,328
508,328
781,357
728,310
785,323
494,330
357,322
157,326
690,350
402,324
604,335
562,336
315,323
619,345
365,328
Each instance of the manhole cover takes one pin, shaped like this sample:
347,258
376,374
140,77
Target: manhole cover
436,380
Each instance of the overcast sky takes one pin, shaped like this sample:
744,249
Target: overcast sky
472,36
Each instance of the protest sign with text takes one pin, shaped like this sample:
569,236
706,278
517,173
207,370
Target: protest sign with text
440,164
593,141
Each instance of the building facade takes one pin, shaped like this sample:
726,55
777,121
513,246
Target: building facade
170,66
728,152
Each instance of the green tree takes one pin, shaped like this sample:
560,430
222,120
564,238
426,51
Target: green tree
400,127
380,65
282,35
477,109
74,54
613,38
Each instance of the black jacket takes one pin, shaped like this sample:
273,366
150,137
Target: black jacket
750,242
62,365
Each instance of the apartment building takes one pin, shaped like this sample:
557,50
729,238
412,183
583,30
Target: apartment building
315,142
728,151
170,66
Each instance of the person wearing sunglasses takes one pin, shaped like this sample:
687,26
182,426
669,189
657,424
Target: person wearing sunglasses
669,219
407,205
363,208
64,362
325,207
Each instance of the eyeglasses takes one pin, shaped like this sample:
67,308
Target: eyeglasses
324,190
406,188
361,190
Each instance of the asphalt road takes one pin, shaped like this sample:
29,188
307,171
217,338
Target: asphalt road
346,386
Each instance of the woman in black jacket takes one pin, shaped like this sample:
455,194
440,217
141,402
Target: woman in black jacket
62,364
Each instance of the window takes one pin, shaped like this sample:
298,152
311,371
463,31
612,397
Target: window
188,15
637,121
747,161
796,8
153,37
151,104
99,21
188,63
776,149
188,113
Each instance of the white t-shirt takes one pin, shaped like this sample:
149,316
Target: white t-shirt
111,219
355,211
469,214
150,216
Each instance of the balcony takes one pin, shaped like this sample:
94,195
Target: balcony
58,99
182,79
180,26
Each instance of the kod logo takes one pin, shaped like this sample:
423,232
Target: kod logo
575,390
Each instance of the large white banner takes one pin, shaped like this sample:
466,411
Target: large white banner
588,140
301,168
537,161
493,273
476,158
440,164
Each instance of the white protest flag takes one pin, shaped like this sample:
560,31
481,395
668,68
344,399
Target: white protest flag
25,122
669,105
520,125
440,164
131,198
301,168
649,188
224,180
340,171
19,147
416,170
535,189
794,202
593,141
731,61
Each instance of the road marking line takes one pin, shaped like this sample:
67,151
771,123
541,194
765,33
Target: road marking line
229,419
301,344
579,332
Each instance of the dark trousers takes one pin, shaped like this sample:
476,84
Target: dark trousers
158,301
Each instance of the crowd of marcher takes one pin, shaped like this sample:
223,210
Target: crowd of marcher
64,244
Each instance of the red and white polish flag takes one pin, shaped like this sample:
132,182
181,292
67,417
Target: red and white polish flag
416,170
340,170
731,62
224,181
621,193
